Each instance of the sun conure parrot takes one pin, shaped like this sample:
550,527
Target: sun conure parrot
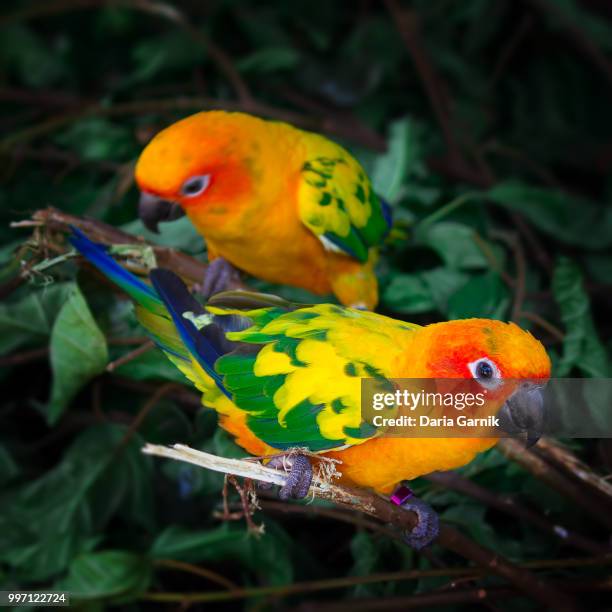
283,376
284,205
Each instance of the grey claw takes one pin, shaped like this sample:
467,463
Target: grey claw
220,276
299,479
427,529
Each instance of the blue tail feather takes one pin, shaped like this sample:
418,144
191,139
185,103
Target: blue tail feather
97,254
168,298
206,343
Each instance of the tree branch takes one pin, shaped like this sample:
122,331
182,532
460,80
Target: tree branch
329,125
553,452
509,505
449,597
557,481
373,505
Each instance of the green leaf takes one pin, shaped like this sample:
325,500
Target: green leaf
26,53
268,554
581,345
599,267
125,488
151,365
366,552
566,218
47,522
442,283
8,467
455,244
424,291
30,319
409,294
470,518
269,59
482,296
107,574
180,234
153,56
403,154
95,138
179,543
78,352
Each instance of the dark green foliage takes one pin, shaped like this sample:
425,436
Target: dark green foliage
520,227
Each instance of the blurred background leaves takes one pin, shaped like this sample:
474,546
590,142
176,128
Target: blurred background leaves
487,127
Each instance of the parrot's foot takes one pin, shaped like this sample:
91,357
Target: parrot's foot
427,529
220,276
299,479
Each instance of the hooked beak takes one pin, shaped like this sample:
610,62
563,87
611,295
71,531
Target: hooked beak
524,412
152,210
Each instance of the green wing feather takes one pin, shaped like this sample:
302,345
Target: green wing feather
337,201
295,377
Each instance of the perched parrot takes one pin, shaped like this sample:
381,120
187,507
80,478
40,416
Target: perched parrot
283,376
284,205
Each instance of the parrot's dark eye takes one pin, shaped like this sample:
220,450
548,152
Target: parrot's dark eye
195,185
486,372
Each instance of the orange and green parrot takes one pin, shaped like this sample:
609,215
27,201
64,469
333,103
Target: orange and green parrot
287,206
283,376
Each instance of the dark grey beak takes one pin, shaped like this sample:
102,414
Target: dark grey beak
524,412
152,210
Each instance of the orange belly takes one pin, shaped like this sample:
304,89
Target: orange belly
381,463
296,257
290,257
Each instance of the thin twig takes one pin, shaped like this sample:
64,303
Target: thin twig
510,48
151,7
331,126
520,265
350,581
562,457
137,352
180,394
218,55
185,266
553,330
502,150
509,505
159,394
24,357
407,25
42,352
580,40
197,570
534,243
447,597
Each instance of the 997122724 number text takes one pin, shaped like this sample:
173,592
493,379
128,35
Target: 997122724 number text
34,598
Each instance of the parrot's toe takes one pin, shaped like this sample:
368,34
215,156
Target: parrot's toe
427,528
299,479
220,276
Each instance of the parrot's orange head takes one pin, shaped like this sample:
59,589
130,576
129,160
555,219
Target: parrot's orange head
203,165
471,347
503,360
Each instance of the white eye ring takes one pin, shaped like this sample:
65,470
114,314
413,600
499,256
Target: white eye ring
195,185
485,372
